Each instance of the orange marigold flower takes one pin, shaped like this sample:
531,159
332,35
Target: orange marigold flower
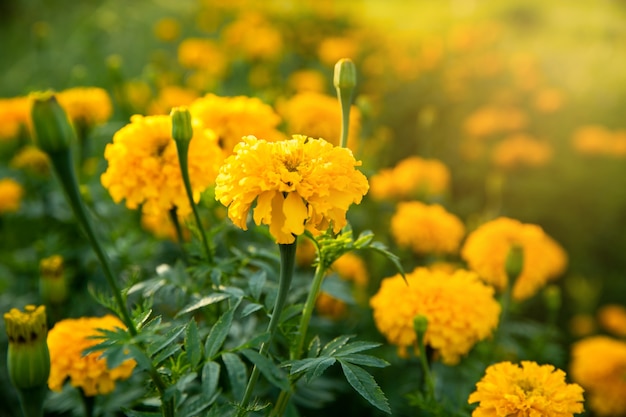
171,96
332,49
11,193
529,390
521,150
307,80
461,310
253,37
202,54
411,177
330,307
297,184
612,318
166,29
67,340
32,159
599,364
351,267
319,115
144,169
490,120
232,118
426,229
89,106
487,247
14,116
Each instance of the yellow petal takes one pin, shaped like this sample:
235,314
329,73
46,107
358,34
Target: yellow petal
295,214
263,209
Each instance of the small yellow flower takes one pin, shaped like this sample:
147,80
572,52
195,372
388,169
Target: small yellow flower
598,364
426,229
487,247
319,115
412,177
14,116
460,310
144,168
67,340
89,106
330,307
202,54
612,318
167,29
491,120
11,193
307,80
32,159
169,97
232,118
351,267
332,49
529,390
253,37
160,225
521,150
297,184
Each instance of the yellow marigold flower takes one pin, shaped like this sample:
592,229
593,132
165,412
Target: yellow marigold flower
11,193
232,118
307,80
253,37
89,106
332,49
67,340
486,248
598,363
529,390
160,225
330,307
14,116
461,310
426,229
169,97
494,119
411,177
612,318
319,115
202,54
351,267
548,100
521,150
298,184
581,325
32,159
167,29
305,253
144,169
598,140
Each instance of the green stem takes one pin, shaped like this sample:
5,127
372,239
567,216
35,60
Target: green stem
287,266
64,167
428,375
307,312
179,231
183,153
345,99
32,400
89,402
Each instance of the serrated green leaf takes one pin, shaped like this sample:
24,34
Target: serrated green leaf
256,283
331,347
166,340
193,347
395,260
365,360
364,239
250,308
170,350
290,312
355,347
115,356
141,319
312,367
218,334
133,413
143,361
210,378
314,347
194,405
269,370
255,341
237,374
203,302
365,385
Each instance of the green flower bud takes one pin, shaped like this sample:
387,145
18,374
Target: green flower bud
181,124
52,282
52,128
345,74
552,297
514,263
420,324
28,359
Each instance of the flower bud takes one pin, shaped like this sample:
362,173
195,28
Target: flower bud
552,298
28,359
181,124
420,324
345,74
52,129
514,263
52,282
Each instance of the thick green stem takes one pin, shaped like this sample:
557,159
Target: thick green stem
179,231
307,312
183,152
428,375
345,98
287,266
64,167
32,399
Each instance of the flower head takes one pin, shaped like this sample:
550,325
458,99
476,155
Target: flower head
426,229
144,168
32,159
297,184
86,105
67,340
14,116
411,177
612,317
529,390
11,193
487,247
521,150
232,118
202,54
599,365
460,310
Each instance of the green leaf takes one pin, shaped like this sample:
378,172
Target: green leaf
143,361
312,367
395,260
256,283
193,406
365,385
364,360
269,370
355,347
133,413
203,302
170,350
331,347
250,308
314,347
210,378
237,375
218,334
193,347
167,340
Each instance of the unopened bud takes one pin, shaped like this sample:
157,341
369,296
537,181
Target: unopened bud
182,130
53,131
52,282
420,324
514,263
345,74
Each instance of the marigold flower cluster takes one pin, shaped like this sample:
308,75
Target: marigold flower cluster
11,193
297,184
144,169
461,310
598,364
486,249
426,229
529,390
67,340
599,140
319,115
232,118
521,150
88,106
411,177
